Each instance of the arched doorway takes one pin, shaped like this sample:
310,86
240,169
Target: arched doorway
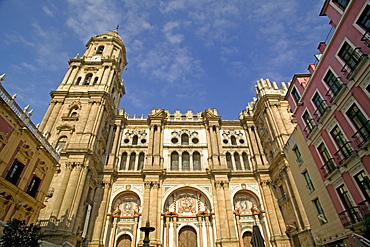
247,236
187,237
124,241
187,218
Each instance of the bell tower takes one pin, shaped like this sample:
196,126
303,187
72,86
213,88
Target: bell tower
80,124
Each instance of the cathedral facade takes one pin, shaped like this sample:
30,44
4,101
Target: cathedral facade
197,179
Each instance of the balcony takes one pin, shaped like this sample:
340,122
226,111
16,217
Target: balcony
350,217
344,152
336,87
329,167
364,208
366,38
322,108
362,136
352,62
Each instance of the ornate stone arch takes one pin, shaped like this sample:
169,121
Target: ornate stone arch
246,202
204,191
188,207
126,204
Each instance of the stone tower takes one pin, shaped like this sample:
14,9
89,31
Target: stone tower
273,123
80,123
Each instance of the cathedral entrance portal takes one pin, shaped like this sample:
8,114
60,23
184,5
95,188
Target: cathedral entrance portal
247,236
124,241
188,219
187,237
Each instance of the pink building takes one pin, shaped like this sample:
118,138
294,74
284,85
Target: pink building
332,108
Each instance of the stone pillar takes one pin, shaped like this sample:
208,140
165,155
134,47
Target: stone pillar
99,213
201,233
275,220
69,196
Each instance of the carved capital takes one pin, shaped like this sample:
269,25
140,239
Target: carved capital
266,182
147,185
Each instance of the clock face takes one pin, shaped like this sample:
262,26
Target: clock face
96,58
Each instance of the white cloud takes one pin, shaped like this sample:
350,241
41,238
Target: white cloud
88,18
168,30
50,10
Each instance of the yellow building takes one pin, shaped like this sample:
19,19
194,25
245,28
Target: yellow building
27,163
327,229
198,179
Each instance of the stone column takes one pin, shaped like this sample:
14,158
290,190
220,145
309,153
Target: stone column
69,196
200,233
275,219
99,213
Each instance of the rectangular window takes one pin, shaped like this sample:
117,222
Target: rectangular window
309,123
363,182
350,56
335,85
321,106
329,165
361,123
309,183
298,155
320,212
345,149
364,20
345,197
15,172
351,214
341,3
296,95
34,186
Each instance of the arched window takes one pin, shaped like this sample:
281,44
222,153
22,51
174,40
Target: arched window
237,161
228,161
233,140
246,161
78,80
141,161
131,165
122,165
100,50
135,140
88,79
61,144
196,161
184,139
174,161
185,161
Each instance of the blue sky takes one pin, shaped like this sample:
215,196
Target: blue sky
182,54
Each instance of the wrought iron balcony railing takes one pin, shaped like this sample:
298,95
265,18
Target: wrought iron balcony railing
352,62
364,208
322,108
350,217
329,167
362,136
344,152
335,87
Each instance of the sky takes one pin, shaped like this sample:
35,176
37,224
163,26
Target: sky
182,54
